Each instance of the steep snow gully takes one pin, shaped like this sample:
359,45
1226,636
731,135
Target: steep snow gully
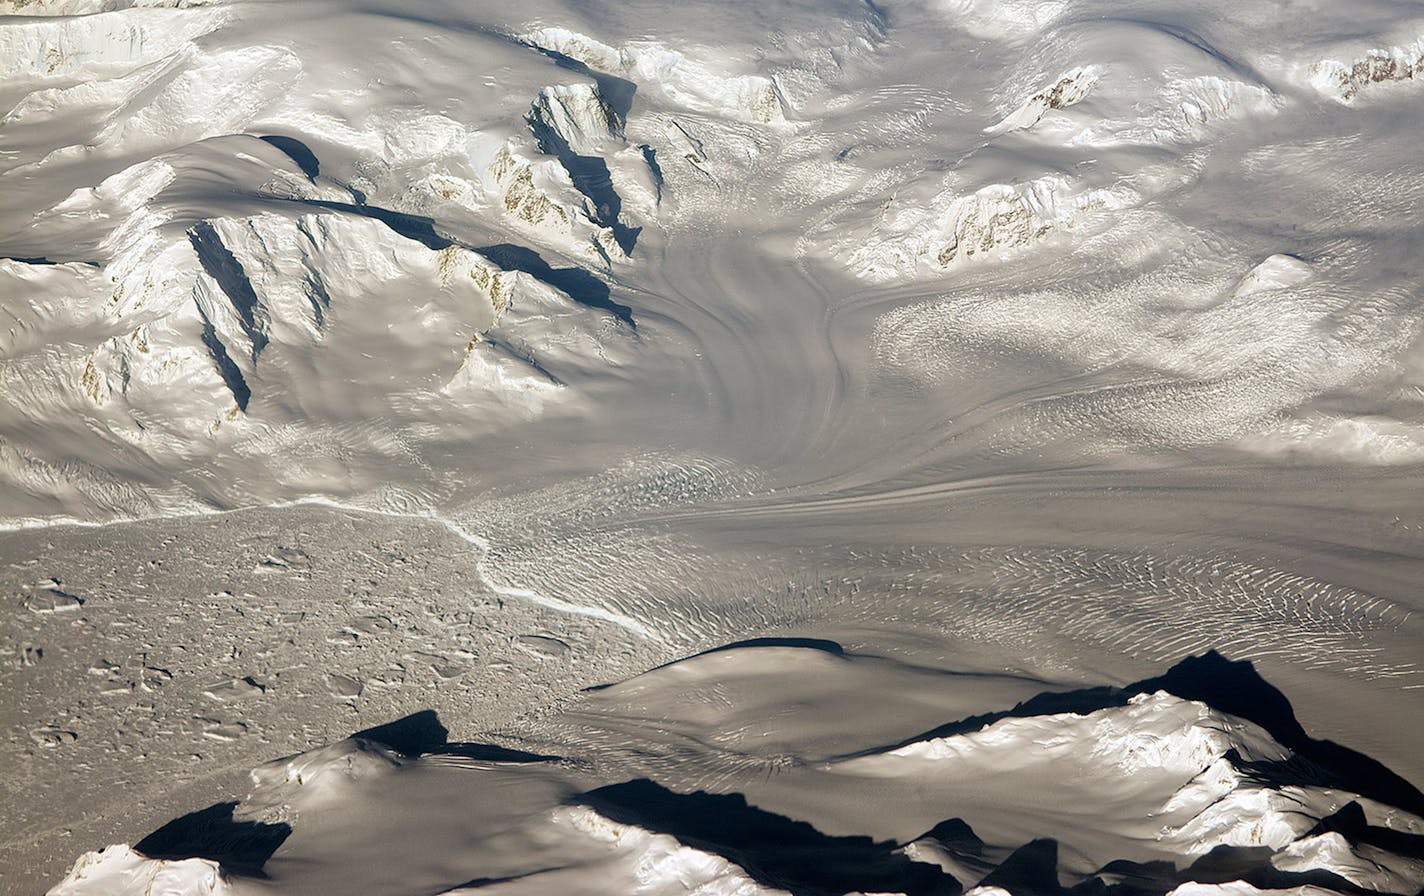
832,447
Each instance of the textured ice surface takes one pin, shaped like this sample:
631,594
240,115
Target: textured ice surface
357,361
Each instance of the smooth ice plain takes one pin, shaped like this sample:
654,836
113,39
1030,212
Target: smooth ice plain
814,447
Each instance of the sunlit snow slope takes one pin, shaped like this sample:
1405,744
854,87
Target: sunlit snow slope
1147,789
359,360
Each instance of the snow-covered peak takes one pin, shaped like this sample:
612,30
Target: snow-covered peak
1184,761
1376,69
678,78
576,114
120,871
1153,788
466,356
1157,732
993,222
1071,88
637,860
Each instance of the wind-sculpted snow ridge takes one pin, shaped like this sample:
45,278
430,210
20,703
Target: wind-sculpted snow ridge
1140,790
683,81
1073,87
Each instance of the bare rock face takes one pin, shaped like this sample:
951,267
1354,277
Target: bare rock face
540,196
1071,88
993,218
953,229
1346,80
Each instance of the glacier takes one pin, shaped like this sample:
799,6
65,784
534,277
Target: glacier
818,446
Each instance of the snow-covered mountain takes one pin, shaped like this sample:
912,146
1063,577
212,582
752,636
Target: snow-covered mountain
364,359
1134,790
1073,158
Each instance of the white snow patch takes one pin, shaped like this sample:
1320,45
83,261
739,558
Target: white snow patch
1276,272
120,871
1363,439
658,864
1001,19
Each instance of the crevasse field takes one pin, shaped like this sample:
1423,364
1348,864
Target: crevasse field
721,448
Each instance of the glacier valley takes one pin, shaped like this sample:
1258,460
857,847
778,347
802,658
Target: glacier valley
807,446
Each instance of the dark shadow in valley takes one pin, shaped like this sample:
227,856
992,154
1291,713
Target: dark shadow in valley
825,645
591,177
227,368
423,734
219,263
1030,869
1252,864
521,352
1123,876
297,151
412,227
242,846
1223,865
956,840
822,644
578,284
1349,822
774,850
880,18
590,173
617,92
1237,688
956,836
412,735
212,833
46,261
491,753
1033,870
650,156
